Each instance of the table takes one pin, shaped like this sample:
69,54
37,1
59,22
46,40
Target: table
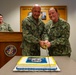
66,64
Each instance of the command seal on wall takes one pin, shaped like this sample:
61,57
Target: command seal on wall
10,50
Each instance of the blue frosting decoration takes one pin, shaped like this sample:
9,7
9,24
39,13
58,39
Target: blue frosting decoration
36,60
39,69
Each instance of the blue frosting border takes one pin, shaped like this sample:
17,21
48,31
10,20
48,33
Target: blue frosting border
29,69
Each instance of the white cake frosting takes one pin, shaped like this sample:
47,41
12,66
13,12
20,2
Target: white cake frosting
36,63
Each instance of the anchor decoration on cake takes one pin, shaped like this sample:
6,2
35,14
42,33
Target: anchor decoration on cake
10,50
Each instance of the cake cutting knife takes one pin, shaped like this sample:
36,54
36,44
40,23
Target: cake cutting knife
48,56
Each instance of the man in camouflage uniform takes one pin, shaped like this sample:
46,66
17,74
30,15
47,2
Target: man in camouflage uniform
32,29
4,27
58,32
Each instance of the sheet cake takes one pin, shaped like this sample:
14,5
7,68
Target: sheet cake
36,63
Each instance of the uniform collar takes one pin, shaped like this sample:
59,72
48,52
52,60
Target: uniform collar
33,20
55,24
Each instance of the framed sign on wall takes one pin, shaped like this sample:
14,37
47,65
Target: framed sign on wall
26,11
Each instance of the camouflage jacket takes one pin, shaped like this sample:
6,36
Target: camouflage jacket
58,34
4,27
32,33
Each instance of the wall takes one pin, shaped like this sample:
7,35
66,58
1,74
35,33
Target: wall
11,11
72,21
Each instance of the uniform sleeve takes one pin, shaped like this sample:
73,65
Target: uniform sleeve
27,33
9,28
63,39
45,34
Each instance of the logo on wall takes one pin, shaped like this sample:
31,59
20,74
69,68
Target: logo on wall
10,50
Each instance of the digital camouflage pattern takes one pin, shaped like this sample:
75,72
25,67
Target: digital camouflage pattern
58,34
32,33
4,27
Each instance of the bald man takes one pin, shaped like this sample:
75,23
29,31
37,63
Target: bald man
32,30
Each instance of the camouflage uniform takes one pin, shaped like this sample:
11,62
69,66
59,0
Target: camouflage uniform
58,34
32,33
4,27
